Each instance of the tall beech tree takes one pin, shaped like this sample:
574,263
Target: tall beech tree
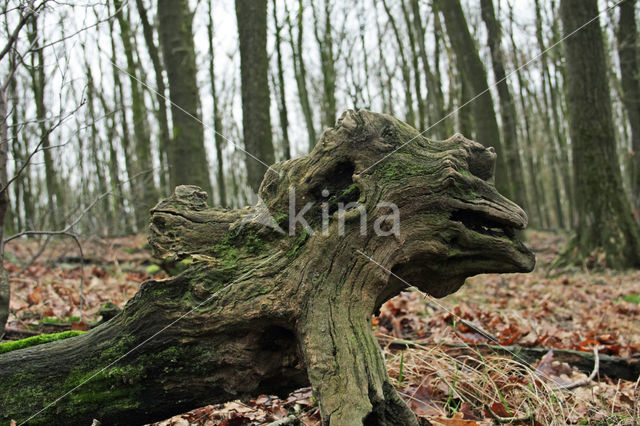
280,86
55,196
161,108
188,158
558,152
404,66
27,19
507,104
254,72
324,37
217,118
5,286
474,73
435,99
605,223
124,140
300,71
542,217
144,191
630,81
417,80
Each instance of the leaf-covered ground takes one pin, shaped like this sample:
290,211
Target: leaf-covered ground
420,336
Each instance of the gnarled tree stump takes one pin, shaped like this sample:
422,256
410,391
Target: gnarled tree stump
260,309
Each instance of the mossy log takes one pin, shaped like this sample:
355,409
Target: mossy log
266,304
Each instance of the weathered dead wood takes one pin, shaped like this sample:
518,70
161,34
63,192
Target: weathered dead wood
260,310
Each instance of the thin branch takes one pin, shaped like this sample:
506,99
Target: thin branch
584,382
83,29
37,149
31,11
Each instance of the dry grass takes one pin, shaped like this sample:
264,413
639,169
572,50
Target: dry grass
438,385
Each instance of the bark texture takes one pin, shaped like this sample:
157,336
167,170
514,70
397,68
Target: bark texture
258,310
187,156
606,227
630,80
254,71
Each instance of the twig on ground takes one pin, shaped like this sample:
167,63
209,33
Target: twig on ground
594,373
8,330
289,420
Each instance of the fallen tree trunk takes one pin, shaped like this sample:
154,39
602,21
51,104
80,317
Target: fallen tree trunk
262,309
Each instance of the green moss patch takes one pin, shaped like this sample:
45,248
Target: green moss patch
56,320
37,340
632,298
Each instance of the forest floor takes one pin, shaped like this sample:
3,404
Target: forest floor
432,347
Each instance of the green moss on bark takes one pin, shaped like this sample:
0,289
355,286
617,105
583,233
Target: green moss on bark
37,340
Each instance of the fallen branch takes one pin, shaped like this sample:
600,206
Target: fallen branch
289,420
610,366
14,333
584,382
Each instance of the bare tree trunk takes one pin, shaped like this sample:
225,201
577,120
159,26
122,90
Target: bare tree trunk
254,70
125,140
161,111
630,80
605,222
475,74
435,104
558,109
5,289
411,29
557,159
217,119
404,66
465,116
95,144
301,73
121,220
327,63
446,122
258,311
282,104
21,197
386,92
507,105
145,194
539,195
54,191
188,156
